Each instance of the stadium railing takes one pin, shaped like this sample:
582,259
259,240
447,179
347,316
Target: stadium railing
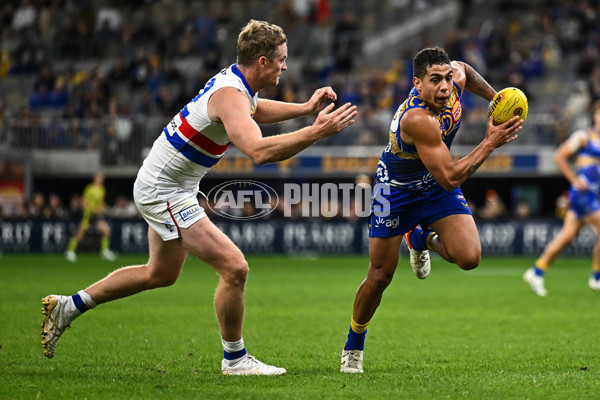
120,143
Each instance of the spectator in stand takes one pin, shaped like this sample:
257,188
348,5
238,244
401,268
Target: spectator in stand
35,208
119,72
76,206
346,39
55,209
523,209
123,208
109,17
562,205
493,206
58,97
24,16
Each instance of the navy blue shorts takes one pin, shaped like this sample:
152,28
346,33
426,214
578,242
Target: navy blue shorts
583,203
397,212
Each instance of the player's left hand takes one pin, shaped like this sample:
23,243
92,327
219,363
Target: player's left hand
316,101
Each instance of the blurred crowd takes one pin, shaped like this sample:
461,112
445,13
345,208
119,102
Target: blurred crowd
108,75
130,61
52,207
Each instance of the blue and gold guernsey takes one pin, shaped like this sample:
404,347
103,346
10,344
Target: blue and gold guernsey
405,193
400,165
587,164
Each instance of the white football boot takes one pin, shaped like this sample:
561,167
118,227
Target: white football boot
352,361
419,260
536,282
248,365
594,284
70,256
56,321
108,255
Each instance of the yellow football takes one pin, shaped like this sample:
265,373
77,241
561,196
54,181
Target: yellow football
507,103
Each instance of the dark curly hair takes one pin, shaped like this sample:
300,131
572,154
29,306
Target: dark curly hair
428,57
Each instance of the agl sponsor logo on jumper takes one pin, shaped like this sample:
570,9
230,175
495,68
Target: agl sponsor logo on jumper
242,199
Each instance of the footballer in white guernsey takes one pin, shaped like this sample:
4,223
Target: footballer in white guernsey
189,146
227,110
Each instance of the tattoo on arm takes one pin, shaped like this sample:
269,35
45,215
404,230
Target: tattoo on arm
477,85
473,168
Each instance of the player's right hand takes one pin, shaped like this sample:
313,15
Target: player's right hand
580,184
507,132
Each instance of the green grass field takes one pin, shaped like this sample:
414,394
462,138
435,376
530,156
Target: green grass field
456,335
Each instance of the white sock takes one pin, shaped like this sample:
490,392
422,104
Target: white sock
233,351
78,304
87,299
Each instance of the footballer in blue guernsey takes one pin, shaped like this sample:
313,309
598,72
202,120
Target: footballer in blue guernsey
417,193
583,146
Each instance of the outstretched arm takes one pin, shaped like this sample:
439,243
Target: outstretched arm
271,111
230,106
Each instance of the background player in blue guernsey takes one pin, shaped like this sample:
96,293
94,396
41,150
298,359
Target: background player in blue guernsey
416,193
584,207
227,110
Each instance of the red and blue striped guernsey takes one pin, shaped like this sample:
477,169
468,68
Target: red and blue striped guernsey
191,143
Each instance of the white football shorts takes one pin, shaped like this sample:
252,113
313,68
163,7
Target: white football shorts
167,211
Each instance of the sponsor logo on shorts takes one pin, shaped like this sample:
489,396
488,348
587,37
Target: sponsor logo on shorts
387,222
189,212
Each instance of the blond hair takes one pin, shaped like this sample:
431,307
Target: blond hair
258,38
